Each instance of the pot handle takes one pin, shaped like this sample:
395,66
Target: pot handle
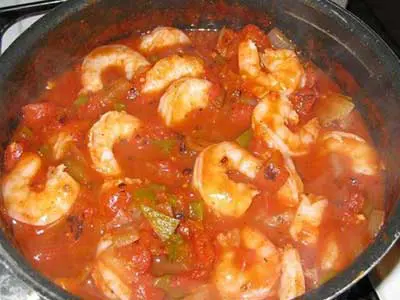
11,14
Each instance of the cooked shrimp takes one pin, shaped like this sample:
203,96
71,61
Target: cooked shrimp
171,68
270,119
364,159
112,127
106,56
111,274
305,226
257,279
38,208
292,279
291,190
163,37
283,69
182,97
211,180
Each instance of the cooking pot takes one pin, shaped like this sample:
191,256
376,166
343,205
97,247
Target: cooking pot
334,39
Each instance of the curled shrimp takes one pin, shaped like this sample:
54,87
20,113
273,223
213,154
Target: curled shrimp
182,97
112,127
171,68
211,180
364,159
305,226
106,56
283,70
110,274
270,119
38,208
258,278
163,37
291,190
292,282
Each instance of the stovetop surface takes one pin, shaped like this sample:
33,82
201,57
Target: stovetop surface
11,288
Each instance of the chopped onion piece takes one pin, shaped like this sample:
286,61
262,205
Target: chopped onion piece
333,107
124,236
376,220
279,40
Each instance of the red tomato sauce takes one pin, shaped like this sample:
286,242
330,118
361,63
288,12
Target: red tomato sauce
161,161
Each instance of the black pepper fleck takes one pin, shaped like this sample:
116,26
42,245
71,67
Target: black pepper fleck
187,171
271,172
133,93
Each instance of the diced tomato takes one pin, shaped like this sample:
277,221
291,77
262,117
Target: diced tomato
202,249
39,114
12,154
225,40
138,256
241,115
255,34
205,255
303,100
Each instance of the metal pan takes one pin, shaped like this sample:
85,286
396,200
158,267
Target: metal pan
326,33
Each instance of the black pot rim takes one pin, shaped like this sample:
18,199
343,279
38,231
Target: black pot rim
359,268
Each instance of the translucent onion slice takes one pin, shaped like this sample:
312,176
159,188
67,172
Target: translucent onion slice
279,40
332,108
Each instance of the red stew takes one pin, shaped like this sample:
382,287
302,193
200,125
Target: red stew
150,232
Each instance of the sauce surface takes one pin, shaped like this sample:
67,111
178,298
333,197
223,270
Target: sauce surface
172,222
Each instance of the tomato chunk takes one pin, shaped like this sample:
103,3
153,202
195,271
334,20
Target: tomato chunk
303,100
254,33
39,114
138,256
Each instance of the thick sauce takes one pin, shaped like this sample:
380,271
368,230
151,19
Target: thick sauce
183,256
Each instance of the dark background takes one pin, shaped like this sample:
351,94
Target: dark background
383,16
